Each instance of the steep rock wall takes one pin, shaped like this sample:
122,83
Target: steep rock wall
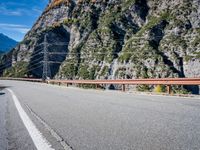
116,39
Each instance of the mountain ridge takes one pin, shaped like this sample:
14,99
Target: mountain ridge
6,43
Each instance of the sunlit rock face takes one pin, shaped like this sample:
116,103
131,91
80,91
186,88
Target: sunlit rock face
117,39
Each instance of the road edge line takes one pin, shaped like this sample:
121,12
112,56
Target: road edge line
38,139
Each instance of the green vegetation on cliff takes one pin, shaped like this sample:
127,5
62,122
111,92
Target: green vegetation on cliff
117,39
19,70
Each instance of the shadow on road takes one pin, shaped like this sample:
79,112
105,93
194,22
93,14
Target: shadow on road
1,93
2,88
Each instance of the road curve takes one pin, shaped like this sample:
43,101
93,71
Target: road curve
76,119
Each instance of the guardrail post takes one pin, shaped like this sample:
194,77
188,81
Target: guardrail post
43,80
168,89
123,87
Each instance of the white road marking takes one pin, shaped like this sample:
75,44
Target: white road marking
40,142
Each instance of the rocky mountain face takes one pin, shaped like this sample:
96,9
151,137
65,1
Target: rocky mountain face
6,43
114,39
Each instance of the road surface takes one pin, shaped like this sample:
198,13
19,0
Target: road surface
33,115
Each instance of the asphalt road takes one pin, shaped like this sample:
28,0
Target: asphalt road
77,119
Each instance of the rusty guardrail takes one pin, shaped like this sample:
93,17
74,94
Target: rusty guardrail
160,81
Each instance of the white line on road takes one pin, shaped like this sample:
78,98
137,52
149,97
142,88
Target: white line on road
40,142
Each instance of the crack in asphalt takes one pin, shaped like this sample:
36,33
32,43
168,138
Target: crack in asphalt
58,138
11,141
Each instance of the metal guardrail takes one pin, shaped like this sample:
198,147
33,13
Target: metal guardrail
23,79
179,81
160,81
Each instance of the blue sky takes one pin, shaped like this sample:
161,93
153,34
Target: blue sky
17,17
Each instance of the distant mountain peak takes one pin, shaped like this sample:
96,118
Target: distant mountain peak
6,43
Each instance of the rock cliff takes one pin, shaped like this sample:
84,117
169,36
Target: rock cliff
114,39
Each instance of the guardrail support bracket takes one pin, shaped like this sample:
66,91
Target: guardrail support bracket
169,89
123,87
